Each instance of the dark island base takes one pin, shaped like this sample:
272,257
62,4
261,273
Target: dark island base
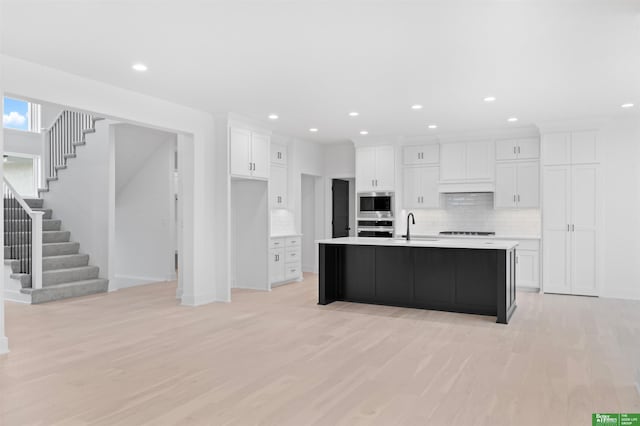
474,281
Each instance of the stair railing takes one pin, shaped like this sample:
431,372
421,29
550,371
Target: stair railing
61,140
23,234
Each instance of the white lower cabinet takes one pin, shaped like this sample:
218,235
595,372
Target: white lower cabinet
528,264
285,259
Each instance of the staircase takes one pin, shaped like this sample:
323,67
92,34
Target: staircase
65,271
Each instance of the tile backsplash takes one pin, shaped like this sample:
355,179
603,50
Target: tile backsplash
472,212
282,222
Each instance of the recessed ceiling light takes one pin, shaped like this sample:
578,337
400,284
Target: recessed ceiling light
313,130
512,119
489,99
364,132
139,67
628,105
273,116
416,106
433,126
354,114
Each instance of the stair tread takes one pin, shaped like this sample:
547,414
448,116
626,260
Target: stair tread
75,268
60,256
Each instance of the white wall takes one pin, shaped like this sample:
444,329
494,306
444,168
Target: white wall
308,215
20,173
204,188
4,342
20,142
305,158
144,225
80,196
340,163
250,242
621,197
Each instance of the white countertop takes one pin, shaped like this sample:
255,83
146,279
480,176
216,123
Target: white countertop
285,235
474,243
478,237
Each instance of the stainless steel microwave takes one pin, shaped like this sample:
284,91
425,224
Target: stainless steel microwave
375,205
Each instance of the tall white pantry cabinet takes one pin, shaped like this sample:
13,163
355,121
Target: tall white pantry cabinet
571,213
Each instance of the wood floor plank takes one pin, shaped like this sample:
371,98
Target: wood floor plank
136,357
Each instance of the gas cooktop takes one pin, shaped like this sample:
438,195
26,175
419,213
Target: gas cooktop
478,233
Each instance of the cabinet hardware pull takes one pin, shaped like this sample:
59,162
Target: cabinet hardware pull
514,198
568,228
373,182
518,149
573,228
514,149
518,197
249,166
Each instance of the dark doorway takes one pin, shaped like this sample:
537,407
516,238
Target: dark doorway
340,208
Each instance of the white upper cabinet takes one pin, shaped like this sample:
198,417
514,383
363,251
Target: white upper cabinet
467,161
528,185
240,147
506,186
421,154
518,149
249,154
279,154
570,148
517,185
375,168
421,187
584,147
453,161
385,168
278,187
260,155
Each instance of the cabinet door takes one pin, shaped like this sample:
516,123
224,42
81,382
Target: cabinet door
278,187
240,152
556,149
556,251
365,169
528,149
453,159
528,268
278,154
411,187
412,155
584,147
480,161
584,182
430,197
260,155
276,265
506,150
385,168
528,185
505,196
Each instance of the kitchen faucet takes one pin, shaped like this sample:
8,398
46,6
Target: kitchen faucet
413,221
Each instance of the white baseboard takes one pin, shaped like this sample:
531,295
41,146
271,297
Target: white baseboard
622,294
17,297
127,281
191,300
4,345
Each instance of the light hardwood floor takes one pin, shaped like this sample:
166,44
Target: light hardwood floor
136,357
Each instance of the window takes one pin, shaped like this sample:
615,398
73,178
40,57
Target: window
21,115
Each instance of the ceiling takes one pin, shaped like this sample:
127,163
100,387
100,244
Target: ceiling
312,62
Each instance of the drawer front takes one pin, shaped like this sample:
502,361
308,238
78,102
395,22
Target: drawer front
293,242
292,271
293,254
277,243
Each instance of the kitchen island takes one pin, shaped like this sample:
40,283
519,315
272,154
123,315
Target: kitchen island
469,276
